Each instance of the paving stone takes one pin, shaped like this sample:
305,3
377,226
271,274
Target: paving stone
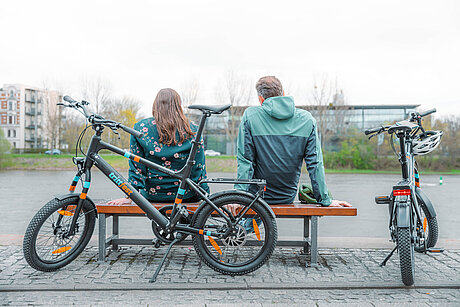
137,264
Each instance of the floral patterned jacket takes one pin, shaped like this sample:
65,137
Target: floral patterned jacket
152,184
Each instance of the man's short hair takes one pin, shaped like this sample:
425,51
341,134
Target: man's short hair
269,86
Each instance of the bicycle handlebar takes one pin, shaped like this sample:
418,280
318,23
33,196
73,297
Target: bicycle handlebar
69,99
428,112
131,131
373,130
97,119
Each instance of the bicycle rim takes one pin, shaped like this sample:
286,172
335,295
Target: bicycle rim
248,246
51,244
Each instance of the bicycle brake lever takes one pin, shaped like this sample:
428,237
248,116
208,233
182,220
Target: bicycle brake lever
114,129
377,133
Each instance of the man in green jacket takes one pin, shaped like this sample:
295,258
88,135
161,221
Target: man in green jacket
273,140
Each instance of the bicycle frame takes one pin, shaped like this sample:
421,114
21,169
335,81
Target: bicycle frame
404,208
93,158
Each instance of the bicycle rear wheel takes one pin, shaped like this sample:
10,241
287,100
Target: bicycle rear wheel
46,246
252,240
406,255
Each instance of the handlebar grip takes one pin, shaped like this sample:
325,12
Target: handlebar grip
369,131
68,99
428,112
132,131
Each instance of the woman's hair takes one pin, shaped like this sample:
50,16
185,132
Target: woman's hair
170,120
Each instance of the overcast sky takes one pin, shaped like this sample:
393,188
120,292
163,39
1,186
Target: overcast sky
381,52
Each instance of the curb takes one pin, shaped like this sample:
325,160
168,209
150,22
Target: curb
225,287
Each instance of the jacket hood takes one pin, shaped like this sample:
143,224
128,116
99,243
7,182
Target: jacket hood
280,107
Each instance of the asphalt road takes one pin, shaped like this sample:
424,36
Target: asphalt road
24,192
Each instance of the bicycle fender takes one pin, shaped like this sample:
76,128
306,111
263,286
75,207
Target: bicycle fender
403,214
236,192
70,195
425,201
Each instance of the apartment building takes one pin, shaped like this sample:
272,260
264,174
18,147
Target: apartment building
25,115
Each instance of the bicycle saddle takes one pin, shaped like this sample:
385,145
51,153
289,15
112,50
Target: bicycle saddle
402,125
211,109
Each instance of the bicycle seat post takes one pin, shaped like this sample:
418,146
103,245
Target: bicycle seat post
197,140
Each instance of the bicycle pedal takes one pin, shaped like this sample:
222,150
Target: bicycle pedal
382,200
157,243
435,250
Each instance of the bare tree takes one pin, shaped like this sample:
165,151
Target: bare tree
125,110
328,107
53,114
189,93
96,91
237,92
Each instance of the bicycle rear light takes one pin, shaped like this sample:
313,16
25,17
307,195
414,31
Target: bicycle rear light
401,192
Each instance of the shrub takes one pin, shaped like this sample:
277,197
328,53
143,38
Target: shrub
4,148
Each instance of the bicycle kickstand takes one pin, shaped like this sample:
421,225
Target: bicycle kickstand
384,262
154,278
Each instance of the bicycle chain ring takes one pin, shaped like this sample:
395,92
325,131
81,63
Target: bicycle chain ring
238,238
161,234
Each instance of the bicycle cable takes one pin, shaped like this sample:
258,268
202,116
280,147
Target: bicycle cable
393,145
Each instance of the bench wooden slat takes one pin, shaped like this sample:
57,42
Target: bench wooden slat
292,210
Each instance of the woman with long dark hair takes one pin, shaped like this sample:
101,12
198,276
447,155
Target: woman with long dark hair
167,141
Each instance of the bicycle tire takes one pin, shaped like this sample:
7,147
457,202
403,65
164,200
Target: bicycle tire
269,237
62,255
431,226
406,256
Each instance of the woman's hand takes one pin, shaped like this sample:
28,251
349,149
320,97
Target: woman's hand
119,201
339,203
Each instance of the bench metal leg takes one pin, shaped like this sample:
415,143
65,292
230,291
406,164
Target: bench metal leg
115,231
102,237
314,242
306,235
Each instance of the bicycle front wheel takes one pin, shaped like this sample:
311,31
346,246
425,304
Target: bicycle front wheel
47,244
406,256
251,242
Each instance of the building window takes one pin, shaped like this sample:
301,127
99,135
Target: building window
14,133
11,120
9,133
11,105
14,144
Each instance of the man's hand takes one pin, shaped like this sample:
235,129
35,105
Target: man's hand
339,203
119,201
233,208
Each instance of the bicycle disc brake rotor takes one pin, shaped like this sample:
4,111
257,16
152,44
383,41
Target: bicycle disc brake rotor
160,233
237,238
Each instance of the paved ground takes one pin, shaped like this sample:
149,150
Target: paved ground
350,276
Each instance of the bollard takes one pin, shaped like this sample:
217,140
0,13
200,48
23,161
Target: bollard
440,180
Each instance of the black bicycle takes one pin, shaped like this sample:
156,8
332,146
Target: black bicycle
62,228
413,224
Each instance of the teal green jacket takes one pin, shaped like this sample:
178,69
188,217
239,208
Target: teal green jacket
273,140
152,184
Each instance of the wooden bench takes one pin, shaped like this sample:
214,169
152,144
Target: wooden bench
309,214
